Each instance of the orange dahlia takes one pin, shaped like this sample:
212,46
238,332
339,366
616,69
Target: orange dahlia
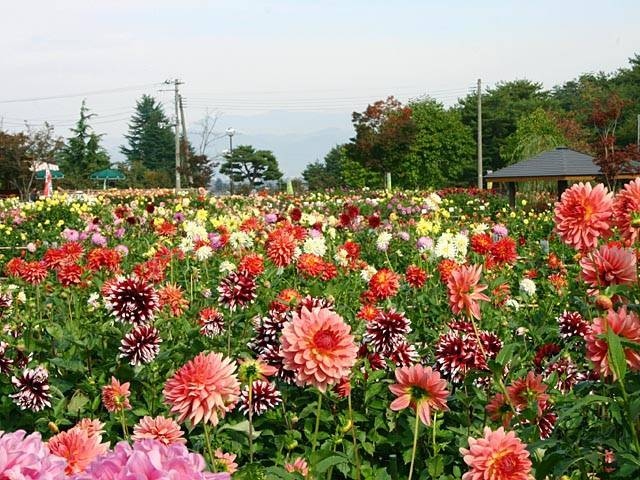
385,283
203,389
420,388
583,215
115,396
317,345
624,324
171,296
496,456
281,246
464,291
78,447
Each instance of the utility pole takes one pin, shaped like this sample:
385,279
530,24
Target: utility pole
176,83
480,183
638,137
185,140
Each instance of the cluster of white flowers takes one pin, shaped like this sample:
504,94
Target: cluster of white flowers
452,246
383,240
341,257
203,253
433,201
479,228
315,246
239,240
367,272
226,267
527,287
194,230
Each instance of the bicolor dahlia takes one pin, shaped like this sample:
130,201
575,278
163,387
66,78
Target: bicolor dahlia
141,345
609,265
162,429
211,322
403,355
572,324
115,396
78,447
131,299
496,456
317,345
583,215
387,330
6,362
624,324
27,457
464,291
566,374
204,389
384,284
626,211
237,290
33,389
420,388
455,355
264,396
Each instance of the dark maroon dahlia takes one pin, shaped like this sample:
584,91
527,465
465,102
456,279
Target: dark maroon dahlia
545,353
132,300
33,389
404,355
141,345
387,331
237,290
310,303
264,396
571,324
211,322
6,363
491,346
271,356
566,374
455,355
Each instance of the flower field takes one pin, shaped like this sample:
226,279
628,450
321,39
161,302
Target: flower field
373,336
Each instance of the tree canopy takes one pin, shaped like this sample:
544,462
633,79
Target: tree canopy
246,163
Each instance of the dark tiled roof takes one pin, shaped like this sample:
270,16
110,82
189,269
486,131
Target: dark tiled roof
559,162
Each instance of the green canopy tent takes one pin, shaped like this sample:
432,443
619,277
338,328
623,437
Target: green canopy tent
55,174
109,174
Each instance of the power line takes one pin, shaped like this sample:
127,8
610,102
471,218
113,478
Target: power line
81,94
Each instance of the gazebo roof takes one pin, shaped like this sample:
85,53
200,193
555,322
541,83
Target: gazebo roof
560,163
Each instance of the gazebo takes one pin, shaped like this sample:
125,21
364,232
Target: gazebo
109,174
561,165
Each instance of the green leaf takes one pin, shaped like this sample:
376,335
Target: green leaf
616,355
435,466
77,403
323,465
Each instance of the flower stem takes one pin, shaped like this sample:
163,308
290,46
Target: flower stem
250,422
314,441
355,441
207,439
435,428
634,433
123,420
415,446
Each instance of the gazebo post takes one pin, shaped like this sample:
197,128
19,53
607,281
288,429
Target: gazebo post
511,187
562,186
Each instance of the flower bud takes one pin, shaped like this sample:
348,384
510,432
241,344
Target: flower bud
603,302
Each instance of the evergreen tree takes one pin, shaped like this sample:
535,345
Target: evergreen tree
254,166
151,142
82,153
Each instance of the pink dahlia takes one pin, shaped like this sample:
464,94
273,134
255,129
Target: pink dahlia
225,462
165,430
496,456
299,465
203,389
115,396
27,457
317,345
464,291
78,447
609,265
583,215
624,324
626,211
420,388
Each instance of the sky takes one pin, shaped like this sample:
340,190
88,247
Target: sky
286,74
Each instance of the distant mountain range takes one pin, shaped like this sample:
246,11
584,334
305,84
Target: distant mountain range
296,138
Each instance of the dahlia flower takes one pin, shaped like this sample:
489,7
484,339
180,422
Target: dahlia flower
622,323
464,291
609,265
626,211
384,284
237,290
317,345
203,389
572,324
583,215
27,457
264,396
420,388
387,330
78,447
211,322
225,462
131,299
33,389
299,465
115,396
165,430
141,345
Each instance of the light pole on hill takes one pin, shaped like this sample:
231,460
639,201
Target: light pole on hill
230,133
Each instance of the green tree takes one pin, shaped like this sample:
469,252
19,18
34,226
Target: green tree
442,152
151,141
502,106
328,173
82,153
248,164
535,132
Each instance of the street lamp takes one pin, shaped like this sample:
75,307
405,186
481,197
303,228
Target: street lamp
230,132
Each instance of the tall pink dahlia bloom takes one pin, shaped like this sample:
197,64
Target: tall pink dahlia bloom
165,430
497,456
204,389
420,388
27,457
464,291
78,446
624,324
583,215
317,345
626,211
609,265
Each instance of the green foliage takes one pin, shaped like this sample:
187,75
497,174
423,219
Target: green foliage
535,132
151,142
82,154
246,163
